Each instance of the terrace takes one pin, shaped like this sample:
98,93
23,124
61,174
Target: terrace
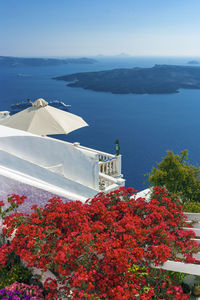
65,169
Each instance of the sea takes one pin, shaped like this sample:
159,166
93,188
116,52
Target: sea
145,125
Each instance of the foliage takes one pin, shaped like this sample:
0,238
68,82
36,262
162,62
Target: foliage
13,270
192,207
176,276
105,248
186,288
177,176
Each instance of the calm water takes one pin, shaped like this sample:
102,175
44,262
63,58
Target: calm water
146,125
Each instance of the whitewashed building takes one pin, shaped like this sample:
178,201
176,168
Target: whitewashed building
44,164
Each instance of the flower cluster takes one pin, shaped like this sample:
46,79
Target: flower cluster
16,199
31,292
12,295
93,247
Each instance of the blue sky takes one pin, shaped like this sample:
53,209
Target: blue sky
92,27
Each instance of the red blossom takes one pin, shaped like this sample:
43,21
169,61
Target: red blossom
2,203
16,199
93,246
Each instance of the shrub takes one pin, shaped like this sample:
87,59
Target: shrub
192,207
177,176
13,270
105,248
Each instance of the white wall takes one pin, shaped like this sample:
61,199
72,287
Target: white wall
40,176
78,164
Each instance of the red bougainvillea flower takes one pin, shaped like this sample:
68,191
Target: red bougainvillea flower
2,203
104,249
13,198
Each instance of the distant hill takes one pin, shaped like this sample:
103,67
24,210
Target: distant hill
23,61
160,79
123,55
193,62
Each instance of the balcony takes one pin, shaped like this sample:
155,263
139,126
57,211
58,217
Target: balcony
109,175
66,169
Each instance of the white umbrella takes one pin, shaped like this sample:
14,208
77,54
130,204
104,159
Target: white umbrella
43,119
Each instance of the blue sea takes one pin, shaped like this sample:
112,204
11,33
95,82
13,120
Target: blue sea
146,125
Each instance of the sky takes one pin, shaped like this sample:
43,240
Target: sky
99,27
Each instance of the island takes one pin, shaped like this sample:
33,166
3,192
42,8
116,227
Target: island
160,79
10,61
193,62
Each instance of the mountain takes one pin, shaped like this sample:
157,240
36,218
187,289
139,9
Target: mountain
160,79
11,61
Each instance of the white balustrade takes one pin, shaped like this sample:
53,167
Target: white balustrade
109,165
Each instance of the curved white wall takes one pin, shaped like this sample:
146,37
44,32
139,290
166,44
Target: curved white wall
79,165
20,168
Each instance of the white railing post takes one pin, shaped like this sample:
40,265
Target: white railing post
119,164
96,173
